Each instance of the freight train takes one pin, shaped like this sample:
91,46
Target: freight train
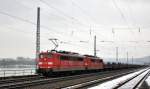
63,61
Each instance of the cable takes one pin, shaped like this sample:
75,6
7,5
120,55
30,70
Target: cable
17,30
61,12
121,13
15,17
83,11
27,21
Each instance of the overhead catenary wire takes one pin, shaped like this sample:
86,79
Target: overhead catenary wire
28,21
43,37
65,19
15,17
24,32
21,19
83,11
58,15
121,13
62,12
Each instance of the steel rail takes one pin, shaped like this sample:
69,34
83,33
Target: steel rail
97,81
31,83
130,79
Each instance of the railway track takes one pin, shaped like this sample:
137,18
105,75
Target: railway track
19,79
60,82
11,77
134,82
88,84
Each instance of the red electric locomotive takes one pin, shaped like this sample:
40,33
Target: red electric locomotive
61,61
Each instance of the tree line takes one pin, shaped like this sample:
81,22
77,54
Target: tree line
19,61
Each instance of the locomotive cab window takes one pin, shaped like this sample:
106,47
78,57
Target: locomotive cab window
47,55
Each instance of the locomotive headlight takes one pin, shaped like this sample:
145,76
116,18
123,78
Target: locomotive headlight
50,63
40,63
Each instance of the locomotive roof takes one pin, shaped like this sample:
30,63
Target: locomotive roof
91,56
68,53
71,54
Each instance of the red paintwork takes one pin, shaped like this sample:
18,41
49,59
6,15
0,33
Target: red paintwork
62,65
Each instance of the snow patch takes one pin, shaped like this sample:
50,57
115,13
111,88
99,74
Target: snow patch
113,83
148,81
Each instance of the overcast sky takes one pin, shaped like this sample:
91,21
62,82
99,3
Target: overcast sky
116,22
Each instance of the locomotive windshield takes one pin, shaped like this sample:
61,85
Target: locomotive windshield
45,55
